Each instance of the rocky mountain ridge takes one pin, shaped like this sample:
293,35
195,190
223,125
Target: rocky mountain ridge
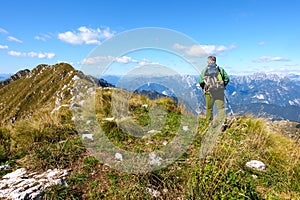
14,77
42,87
46,86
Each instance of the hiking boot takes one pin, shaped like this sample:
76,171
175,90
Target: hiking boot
224,126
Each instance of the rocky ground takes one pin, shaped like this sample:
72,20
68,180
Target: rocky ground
20,184
287,128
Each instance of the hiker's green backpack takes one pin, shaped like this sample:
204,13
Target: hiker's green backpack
213,78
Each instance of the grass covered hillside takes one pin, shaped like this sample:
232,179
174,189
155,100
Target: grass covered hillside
43,87
44,137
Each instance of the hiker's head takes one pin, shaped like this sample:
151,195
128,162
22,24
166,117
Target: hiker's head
211,59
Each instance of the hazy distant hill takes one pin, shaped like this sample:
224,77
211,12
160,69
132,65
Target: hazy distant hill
4,76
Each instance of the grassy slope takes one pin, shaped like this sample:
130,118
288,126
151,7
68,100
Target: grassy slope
51,140
39,89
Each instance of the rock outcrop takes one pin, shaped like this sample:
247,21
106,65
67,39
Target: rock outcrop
14,77
20,184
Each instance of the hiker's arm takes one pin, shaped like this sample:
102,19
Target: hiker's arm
224,76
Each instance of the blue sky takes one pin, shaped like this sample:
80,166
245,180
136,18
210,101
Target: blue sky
247,36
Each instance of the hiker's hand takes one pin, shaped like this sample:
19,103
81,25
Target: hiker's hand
202,85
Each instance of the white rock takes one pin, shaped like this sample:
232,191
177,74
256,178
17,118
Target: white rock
88,136
109,119
118,157
256,165
153,131
20,185
185,128
153,192
154,159
75,78
254,176
15,174
65,173
81,102
5,167
52,173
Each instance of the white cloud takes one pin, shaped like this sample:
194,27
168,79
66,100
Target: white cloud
147,62
281,70
11,38
179,46
32,54
270,59
203,50
85,35
16,53
43,38
3,46
125,60
262,43
97,59
108,59
3,31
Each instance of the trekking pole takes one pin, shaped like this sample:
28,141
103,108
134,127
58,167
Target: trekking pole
201,105
229,106
202,101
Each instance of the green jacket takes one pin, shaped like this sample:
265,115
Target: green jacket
223,73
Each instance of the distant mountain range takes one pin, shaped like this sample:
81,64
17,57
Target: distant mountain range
269,96
264,95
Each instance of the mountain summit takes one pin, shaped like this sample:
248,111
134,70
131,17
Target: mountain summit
46,86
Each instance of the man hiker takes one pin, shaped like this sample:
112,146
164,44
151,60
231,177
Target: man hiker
213,80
